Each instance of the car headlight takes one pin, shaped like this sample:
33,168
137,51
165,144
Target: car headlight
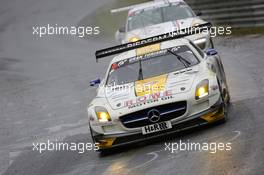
197,22
202,89
134,39
194,24
102,114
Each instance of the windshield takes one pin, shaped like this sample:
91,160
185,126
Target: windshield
152,64
159,15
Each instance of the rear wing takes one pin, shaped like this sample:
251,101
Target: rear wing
152,40
122,9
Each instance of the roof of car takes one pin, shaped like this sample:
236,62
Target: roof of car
155,3
163,45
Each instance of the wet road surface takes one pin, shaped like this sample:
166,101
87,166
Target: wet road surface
44,93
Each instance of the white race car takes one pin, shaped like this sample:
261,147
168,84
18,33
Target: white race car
155,88
158,17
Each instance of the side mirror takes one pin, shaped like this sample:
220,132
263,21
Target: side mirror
120,34
210,52
199,13
122,29
95,82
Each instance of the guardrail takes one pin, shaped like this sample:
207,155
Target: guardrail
235,13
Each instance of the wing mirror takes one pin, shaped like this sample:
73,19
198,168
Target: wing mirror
199,13
95,82
122,29
210,52
120,34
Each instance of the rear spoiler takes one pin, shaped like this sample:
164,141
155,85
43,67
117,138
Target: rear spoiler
152,40
129,7
122,9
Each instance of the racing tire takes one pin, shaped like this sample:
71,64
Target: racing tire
225,103
103,152
92,135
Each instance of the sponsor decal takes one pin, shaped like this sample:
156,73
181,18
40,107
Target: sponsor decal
150,85
147,99
147,52
128,61
114,66
148,49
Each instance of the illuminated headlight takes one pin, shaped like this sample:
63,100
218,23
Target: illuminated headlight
102,114
197,22
194,24
134,39
202,89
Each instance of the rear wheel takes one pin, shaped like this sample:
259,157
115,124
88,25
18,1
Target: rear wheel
228,97
225,110
225,101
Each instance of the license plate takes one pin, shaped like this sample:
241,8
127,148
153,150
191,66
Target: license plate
156,127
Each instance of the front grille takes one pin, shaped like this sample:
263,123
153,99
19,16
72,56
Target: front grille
167,112
175,128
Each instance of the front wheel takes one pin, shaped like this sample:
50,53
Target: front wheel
225,110
91,133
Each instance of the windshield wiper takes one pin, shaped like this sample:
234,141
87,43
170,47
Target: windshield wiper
140,72
185,62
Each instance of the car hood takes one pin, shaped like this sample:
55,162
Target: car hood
147,90
162,28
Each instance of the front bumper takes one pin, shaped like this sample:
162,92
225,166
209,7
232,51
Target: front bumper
213,114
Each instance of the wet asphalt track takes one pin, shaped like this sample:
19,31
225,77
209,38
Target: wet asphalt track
44,93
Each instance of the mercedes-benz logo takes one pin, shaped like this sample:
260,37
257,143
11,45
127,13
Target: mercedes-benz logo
154,115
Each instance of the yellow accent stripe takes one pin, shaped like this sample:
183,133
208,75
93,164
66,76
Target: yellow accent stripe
148,49
214,116
106,143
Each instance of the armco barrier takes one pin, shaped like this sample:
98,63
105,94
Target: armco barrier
235,13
